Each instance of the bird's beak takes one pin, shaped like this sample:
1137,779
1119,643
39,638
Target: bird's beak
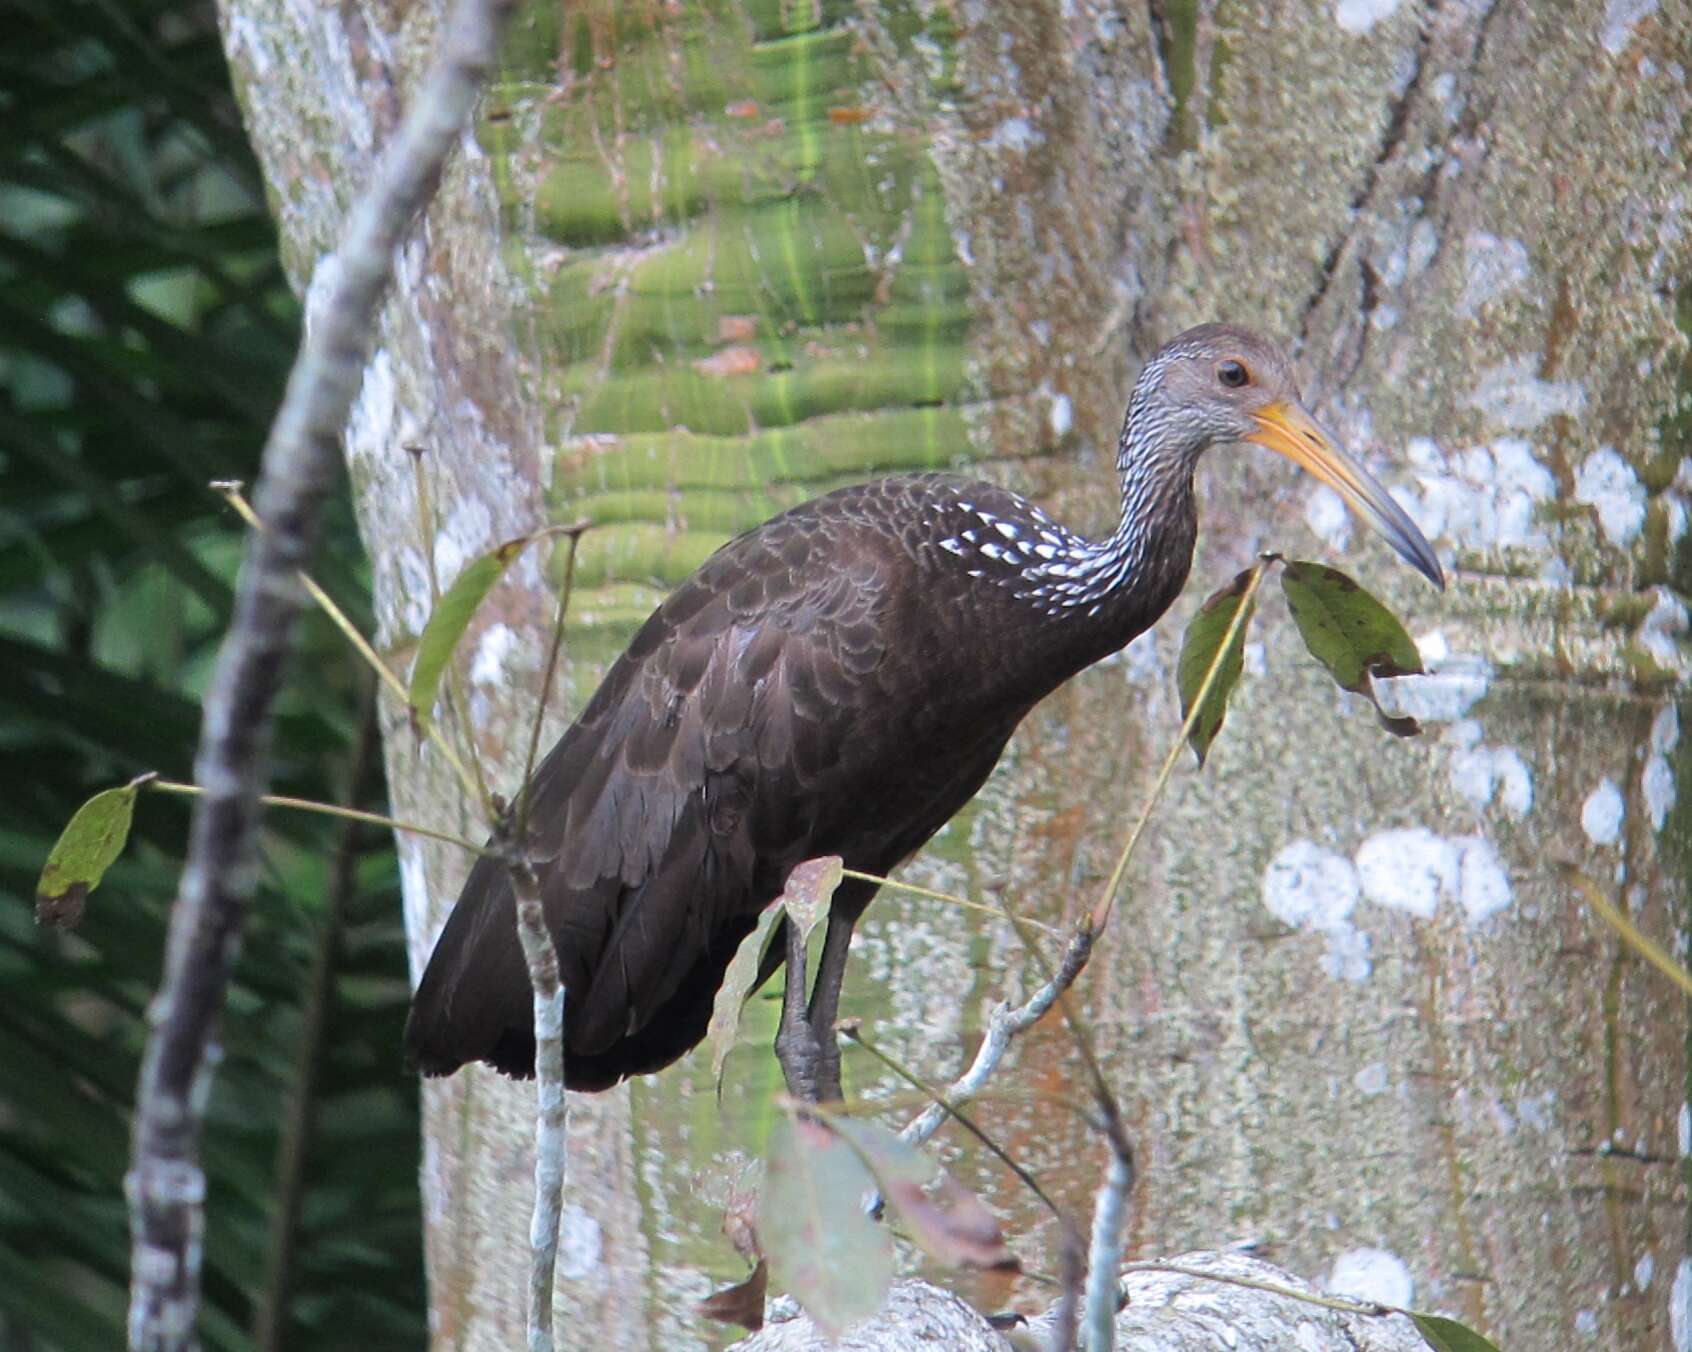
1286,428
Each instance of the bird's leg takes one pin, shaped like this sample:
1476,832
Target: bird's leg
796,1045
825,1002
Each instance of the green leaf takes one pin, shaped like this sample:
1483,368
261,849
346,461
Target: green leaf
1199,647
822,1247
736,989
949,1221
1447,1335
1352,634
86,848
451,617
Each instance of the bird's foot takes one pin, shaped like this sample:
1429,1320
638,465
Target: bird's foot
810,1063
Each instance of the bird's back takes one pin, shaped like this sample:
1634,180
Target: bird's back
835,681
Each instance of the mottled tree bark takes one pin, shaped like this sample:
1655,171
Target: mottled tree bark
702,260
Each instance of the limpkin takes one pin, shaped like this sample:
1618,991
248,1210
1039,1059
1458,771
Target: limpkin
837,681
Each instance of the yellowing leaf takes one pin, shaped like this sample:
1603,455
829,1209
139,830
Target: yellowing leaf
88,846
1199,648
1447,1335
809,891
451,617
1351,634
736,989
822,1247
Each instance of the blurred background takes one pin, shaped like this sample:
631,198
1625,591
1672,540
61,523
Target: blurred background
145,333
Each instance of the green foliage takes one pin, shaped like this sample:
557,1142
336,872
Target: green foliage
145,331
1352,634
449,619
1447,1335
1209,629
90,844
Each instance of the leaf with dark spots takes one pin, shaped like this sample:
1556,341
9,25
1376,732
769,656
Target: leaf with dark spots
945,1218
1447,1335
742,1303
450,618
1199,648
821,1245
736,989
88,846
1351,634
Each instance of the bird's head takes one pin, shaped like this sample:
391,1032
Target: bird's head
1220,383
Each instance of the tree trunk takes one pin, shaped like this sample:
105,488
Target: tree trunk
703,260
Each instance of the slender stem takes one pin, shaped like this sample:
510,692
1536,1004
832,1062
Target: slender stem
231,492
1637,939
910,1077
950,898
166,1185
574,534
327,810
1105,1254
1107,899
1366,1309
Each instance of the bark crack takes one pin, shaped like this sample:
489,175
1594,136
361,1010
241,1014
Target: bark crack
1392,138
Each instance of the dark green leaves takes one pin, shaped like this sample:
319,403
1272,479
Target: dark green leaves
1352,634
805,902
1447,1335
88,846
451,617
821,1244
1199,650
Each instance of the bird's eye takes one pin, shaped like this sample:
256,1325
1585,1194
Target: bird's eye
1233,374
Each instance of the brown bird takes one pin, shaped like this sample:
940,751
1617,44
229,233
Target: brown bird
839,680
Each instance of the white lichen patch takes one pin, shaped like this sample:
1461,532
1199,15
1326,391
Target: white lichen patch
1513,396
1602,814
1061,415
1683,1130
1359,16
1492,267
1620,17
1413,870
1680,1307
495,645
1327,517
1372,1274
1656,780
1608,484
1407,870
1308,887
1373,1079
466,533
1452,684
1644,1270
1482,497
1663,629
1483,773
581,1243
1313,889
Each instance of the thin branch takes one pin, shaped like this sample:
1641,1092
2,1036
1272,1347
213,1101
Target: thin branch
328,810
551,1109
1107,898
574,533
230,489
166,1184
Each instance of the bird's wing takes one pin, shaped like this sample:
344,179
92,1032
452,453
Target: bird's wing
667,816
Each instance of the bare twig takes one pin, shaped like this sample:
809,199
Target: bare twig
551,1118
166,1184
328,810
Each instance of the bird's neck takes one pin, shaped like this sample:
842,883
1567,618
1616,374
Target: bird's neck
1119,585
